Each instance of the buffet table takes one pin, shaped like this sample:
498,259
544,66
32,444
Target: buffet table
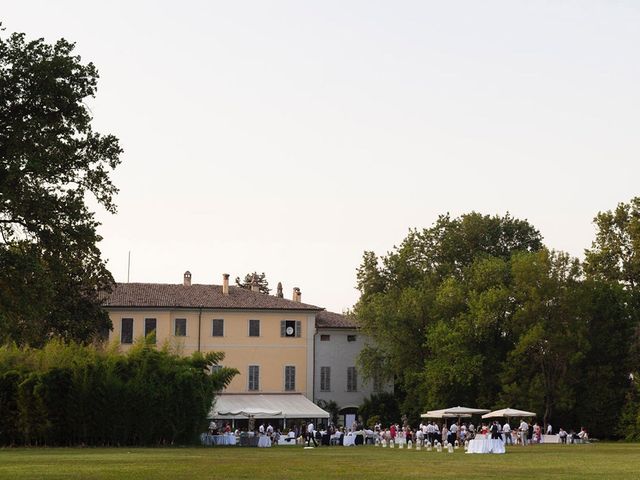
264,442
349,440
226,439
486,445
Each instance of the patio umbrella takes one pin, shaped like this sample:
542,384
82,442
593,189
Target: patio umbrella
464,411
459,411
508,413
440,414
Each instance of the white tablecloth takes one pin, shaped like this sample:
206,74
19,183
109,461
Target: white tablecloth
264,442
349,439
486,445
226,439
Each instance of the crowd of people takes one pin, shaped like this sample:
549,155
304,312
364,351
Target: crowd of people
431,432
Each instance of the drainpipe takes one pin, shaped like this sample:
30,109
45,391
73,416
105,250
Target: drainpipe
199,326
315,334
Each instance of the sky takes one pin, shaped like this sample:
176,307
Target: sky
288,137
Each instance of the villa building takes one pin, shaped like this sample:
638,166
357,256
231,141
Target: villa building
285,350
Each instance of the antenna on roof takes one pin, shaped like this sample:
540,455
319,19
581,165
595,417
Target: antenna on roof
128,266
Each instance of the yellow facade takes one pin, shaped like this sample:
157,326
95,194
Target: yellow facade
270,351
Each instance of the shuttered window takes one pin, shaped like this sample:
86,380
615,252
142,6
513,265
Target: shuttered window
289,378
352,379
290,328
126,330
254,377
150,329
325,379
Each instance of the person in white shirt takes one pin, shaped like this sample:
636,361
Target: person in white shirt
524,432
549,430
261,429
506,430
311,435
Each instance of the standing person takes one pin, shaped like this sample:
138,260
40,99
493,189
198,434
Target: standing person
453,433
524,432
445,433
311,435
430,432
506,430
495,431
393,432
549,430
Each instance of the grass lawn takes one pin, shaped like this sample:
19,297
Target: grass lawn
595,461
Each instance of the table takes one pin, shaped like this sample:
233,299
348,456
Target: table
226,439
349,440
486,445
264,442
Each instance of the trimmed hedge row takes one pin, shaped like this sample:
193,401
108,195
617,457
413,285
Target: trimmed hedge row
67,394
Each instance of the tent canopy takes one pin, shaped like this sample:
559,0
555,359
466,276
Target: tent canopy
240,406
509,412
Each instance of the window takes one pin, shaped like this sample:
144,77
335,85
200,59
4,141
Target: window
126,330
254,328
325,379
290,328
351,338
217,329
150,329
215,368
289,378
254,377
325,338
352,379
180,327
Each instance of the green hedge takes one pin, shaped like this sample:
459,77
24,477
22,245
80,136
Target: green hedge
68,394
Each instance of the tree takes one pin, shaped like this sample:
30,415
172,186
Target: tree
613,262
615,253
260,280
383,406
51,164
550,332
418,288
332,408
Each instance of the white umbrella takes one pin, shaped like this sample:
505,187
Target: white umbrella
508,413
460,411
441,414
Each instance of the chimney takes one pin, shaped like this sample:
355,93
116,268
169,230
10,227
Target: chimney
254,284
279,290
187,278
297,295
225,284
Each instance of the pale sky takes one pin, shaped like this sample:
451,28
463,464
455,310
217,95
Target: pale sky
290,137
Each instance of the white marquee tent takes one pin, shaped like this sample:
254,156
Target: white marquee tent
238,406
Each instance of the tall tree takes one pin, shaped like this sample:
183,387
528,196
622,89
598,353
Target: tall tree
614,258
51,164
615,253
416,289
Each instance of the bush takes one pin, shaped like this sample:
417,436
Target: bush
68,394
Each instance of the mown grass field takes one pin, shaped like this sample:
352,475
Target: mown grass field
595,461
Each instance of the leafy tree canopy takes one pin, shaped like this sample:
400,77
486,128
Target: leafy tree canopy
260,280
51,164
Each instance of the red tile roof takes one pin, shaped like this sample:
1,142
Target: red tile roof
162,295
326,319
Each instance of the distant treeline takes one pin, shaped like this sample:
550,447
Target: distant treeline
69,394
